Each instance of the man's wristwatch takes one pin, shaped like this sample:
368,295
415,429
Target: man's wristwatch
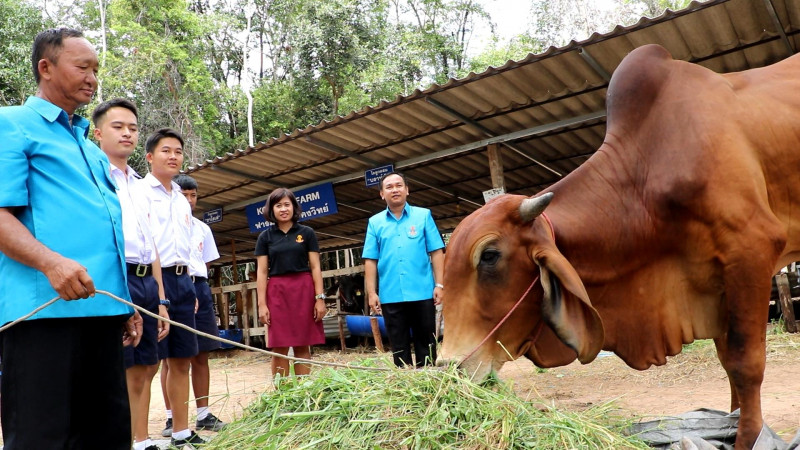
164,302
320,296
439,285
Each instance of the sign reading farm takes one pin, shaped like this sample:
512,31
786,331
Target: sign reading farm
316,201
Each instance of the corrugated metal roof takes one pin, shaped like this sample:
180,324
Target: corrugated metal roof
548,110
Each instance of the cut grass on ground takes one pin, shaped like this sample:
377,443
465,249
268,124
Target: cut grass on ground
409,409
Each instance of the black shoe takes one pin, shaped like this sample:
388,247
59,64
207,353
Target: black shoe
152,447
191,441
167,432
210,423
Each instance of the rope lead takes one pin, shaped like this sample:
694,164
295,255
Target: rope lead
199,333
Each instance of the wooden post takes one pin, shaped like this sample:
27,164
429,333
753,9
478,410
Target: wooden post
340,319
237,294
221,299
376,333
496,166
245,314
787,309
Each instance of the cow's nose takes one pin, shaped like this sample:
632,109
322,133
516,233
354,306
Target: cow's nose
446,363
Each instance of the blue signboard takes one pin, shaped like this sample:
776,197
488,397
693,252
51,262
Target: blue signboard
316,201
373,176
213,216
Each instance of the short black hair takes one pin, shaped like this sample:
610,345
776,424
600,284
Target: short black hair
393,173
186,182
102,109
276,196
153,139
47,45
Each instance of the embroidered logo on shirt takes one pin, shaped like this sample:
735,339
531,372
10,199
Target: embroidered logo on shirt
412,232
299,239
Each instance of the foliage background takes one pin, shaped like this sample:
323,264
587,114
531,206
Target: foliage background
192,64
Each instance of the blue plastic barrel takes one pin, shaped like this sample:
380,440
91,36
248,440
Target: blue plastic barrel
360,326
234,334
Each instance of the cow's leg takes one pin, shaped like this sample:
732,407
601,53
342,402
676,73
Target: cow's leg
749,244
743,356
742,349
720,343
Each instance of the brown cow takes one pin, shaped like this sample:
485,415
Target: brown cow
670,232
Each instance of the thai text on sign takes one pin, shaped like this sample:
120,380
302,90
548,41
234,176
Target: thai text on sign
316,201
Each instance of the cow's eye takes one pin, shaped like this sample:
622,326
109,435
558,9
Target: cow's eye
489,257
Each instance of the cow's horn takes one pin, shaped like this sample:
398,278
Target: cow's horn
532,207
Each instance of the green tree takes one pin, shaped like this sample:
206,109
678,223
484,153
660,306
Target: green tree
20,21
440,31
556,22
336,41
497,54
155,56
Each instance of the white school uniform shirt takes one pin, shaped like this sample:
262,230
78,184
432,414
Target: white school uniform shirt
204,249
135,204
171,221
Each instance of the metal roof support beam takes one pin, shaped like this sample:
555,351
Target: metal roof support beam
594,64
341,151
244,175
347,205
442,190
372,162
778,25
505,137
450,152
487,132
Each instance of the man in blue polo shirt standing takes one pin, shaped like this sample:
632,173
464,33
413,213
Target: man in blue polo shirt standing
63,383
404,260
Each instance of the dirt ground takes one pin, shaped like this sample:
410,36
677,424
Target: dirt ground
691,380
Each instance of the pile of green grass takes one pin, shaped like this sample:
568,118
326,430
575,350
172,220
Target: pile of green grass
412,409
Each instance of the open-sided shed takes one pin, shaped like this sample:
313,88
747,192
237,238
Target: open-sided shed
536,120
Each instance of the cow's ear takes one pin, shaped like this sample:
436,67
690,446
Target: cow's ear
566,308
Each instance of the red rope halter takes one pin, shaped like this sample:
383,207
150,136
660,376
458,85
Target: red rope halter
516,305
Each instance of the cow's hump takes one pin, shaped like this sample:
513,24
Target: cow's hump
635,85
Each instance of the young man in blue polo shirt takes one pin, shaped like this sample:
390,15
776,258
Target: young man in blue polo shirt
63,383
404,260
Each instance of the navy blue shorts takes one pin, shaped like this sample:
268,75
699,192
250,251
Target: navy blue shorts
179,343
144,293
205,319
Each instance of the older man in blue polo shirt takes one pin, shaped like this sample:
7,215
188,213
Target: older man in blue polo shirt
403,253
63,383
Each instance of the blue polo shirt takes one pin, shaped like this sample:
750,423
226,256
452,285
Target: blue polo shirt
401,247
61,184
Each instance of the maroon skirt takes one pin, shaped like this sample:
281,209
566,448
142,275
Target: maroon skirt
290,299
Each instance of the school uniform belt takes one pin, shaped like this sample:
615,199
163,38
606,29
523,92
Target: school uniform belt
139,270
177,270
195,279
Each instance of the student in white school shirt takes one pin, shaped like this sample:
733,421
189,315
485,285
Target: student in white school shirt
204,250
172,228
117,133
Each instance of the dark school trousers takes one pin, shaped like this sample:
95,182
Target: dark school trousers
63,385
408,322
